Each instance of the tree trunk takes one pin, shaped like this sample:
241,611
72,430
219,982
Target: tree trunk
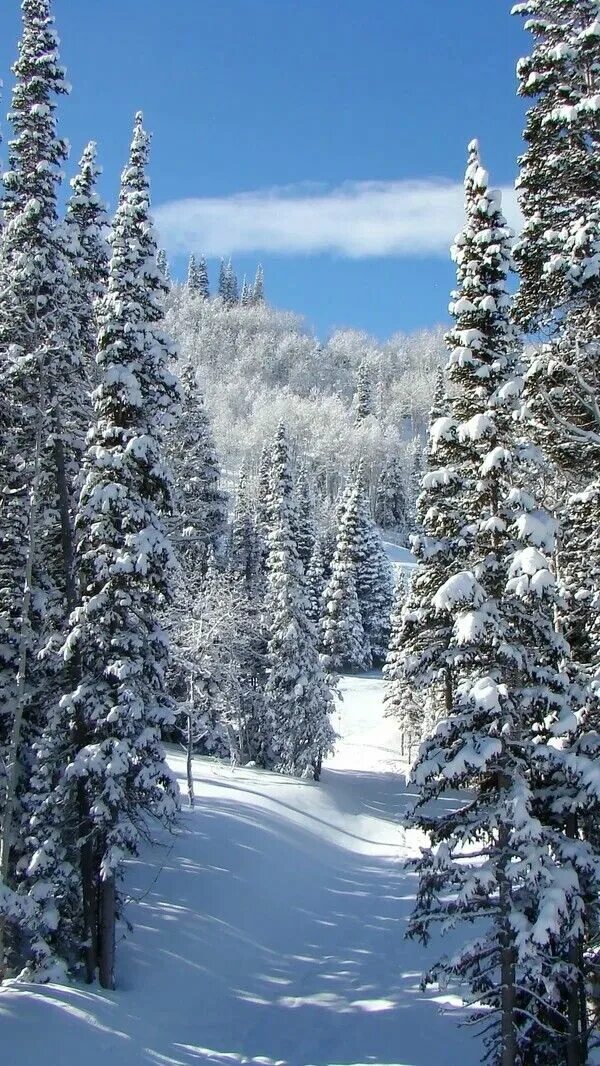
188,762
107,932
507,958
576,1007
190,744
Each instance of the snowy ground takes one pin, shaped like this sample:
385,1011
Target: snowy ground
269,930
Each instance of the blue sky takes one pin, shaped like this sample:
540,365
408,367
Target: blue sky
343,123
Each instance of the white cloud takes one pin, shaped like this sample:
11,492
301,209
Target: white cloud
356,219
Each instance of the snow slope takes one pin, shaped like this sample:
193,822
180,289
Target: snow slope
268,930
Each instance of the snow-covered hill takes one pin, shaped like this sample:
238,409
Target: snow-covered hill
270,929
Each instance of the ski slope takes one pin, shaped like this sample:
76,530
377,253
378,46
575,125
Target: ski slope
269,929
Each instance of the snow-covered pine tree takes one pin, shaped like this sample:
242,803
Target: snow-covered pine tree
258,288
390,500
228,285
43,395
86,222
558,256
197,277
315,578
163,265
364,392
374,582
345,644
244,553
246,293
119,706
345,641
400,700
502,855
305,510
200,521
298,697
421,659
559,183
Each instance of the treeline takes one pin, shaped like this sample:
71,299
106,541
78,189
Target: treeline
347,399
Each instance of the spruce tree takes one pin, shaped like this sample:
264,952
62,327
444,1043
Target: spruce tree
86,224
401,701
364,397
305,519
345,641
197,277
119,706
502,854
373,574
163,265
246,293
43,396
390,500
199,525
258,288
558,259
298,697
315,577
244,552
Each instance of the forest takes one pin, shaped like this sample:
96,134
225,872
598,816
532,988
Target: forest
202,509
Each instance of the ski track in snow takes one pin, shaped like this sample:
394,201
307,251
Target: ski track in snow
269,929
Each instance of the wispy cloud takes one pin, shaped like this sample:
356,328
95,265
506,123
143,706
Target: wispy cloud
356,220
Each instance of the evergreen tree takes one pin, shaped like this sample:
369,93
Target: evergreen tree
298,697
116,645
559,184
197,277
374,584
163,265
390,500
246,293
222,284
345,644
305,519
364,396
558,256
228,285
43,396
315,577
86,224
258,288
244,554
503,854
199,526
345,639
401,701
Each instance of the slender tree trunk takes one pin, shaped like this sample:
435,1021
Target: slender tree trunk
189,757
107,932
576,1007
507,959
